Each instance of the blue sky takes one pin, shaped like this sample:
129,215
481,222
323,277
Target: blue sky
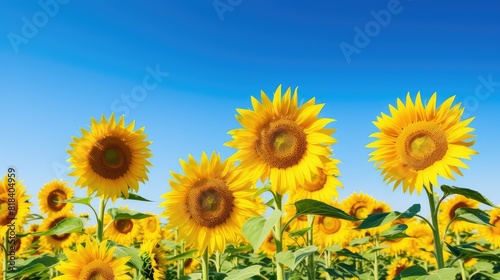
63,62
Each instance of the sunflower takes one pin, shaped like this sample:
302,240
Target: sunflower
328,231
423,242
94,261
281,141
154,257
268,247
191,265
89,231
448,213
417,143
50,196
492,234
14,205
121,231
379,207
51,243
324,184
110,158
210,203
359,206
149,228
29,243
397,266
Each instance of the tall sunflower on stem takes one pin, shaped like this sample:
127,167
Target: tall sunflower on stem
110,159
209,204
418,143
283,142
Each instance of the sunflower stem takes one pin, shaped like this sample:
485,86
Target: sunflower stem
375,262
204,265
460,262
100,221
6,254
278,236
217,261
310,258
438,246
328,263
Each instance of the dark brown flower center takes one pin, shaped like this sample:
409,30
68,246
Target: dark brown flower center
282,143
59,237
461,204
210,202
359,210
54,198
8,210
123,226
110,157
317,183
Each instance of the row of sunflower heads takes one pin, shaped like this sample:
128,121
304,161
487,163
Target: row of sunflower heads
280,141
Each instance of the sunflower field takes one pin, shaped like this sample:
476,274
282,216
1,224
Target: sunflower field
269,211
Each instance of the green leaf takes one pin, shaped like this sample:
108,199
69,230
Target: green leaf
68,225
245,273
472,194
302,253
453,249
379,219
118,214
135,260
261,190
314,207
395,229
360,241
236,250
286,257
270,203
349,269
183,256
79,200
411,212
39,264
346,253
292,259
376,249
411,273
257,228
299,232
334,248
133,196
440,274
475,216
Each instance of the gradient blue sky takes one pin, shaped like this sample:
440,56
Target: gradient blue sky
80,61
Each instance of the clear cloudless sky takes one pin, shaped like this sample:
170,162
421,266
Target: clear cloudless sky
63,62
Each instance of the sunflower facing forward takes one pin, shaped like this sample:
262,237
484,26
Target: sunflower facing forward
94,261
14,206
417,143
281,141
110,158
50,196
210,203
